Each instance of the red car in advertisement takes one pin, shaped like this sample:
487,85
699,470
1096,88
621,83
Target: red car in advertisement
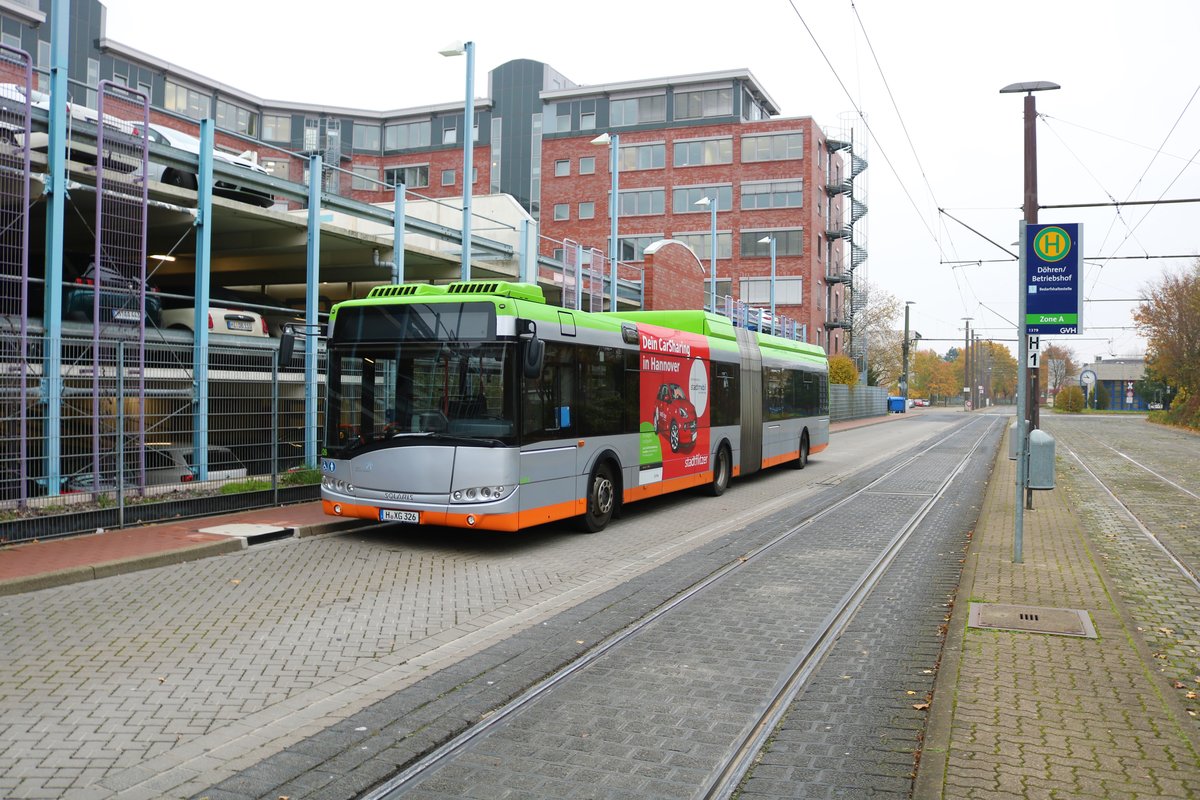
675,417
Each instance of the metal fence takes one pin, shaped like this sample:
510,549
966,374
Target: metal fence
856,402
130,444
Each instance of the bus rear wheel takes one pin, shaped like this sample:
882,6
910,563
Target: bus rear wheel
721,472
601,499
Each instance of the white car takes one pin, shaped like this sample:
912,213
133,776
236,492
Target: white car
162,134
12,97
237,322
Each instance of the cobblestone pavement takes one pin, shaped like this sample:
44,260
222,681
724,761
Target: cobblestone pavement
654,718
1164,603
159,683
1036,715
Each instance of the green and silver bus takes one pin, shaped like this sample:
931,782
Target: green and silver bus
478,405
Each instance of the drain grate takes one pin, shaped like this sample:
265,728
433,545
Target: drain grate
1033,619
253,533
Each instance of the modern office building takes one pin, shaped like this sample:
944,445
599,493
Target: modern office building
716,135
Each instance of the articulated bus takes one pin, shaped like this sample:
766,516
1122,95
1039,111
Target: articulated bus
478,405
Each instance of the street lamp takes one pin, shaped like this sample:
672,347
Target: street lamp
458,49
711,202
764,240
967,362
614,144
904,386
1027,400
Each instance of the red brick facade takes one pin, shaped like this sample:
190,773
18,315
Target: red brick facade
573,189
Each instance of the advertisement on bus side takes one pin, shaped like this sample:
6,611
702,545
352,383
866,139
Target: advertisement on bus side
674,403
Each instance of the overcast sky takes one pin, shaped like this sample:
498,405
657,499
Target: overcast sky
925,75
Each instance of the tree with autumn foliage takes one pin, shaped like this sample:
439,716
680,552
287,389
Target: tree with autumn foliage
842,370
1056,367
933,377
1169,318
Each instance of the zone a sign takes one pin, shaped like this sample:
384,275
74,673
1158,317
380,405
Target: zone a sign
1054,296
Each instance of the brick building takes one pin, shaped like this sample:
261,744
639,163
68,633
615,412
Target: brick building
681,139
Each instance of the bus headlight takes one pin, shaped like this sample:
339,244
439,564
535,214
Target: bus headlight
481,494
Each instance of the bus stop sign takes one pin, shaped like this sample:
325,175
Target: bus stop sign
1054,297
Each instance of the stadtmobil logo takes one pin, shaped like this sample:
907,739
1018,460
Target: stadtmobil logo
1052,244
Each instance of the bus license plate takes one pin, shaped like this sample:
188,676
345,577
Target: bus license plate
393,515
239,325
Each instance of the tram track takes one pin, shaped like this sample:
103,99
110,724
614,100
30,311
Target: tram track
1184,563
725,776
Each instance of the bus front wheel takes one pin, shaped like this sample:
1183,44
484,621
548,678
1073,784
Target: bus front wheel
601,499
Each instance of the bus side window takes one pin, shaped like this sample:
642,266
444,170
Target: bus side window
548,401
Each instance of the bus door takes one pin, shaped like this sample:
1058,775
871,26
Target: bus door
751,401
550,455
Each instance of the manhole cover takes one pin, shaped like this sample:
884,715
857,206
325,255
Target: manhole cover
1035,619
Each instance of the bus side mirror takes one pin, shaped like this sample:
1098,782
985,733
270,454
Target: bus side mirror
534,353
287,345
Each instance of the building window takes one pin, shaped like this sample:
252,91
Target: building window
752,110
449,131
277,128
683,201
366,178
93,79
774,194
233,117
448,177
704,103
186,101
787,243
562,122
562,168
701,243
640,202
638,110
366,137
587,121
772,147
788,291
587,210
701,153
277,167
562,211
643,156
587,165
633,248
407,135
414,177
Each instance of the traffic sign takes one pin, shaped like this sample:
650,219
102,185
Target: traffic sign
1031,357
1054,297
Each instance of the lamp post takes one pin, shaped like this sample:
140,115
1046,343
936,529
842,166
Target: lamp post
467,48
711,202
764,240
1027,400
614,145
904,381
967,362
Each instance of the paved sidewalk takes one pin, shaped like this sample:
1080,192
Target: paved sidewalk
56,562
1018,714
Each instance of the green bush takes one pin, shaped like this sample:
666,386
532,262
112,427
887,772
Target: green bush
300,476
1069,399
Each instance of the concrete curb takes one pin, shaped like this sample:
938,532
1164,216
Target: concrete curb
122,566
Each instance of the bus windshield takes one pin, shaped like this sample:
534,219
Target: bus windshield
394,394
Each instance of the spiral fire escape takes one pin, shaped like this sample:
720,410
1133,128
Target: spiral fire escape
850,227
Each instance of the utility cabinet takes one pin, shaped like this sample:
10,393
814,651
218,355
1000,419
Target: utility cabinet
1041,460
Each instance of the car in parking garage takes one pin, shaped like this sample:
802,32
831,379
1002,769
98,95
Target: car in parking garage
120,298
237,322
164,135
